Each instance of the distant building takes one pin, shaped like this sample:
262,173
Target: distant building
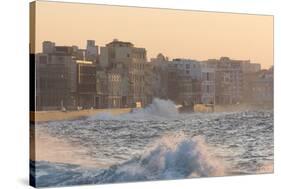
86,84
68,78
208,79
156,78
64,79
248,67
191,82
132,60
102,89
263,87
55,78
48,47
92,51
184,75
229,80
115,89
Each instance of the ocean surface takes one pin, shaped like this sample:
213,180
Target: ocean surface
154,143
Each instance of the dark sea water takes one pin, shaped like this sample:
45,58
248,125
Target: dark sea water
158,143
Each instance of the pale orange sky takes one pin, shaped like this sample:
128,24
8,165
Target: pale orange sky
175,33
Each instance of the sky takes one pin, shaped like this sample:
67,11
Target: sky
174,33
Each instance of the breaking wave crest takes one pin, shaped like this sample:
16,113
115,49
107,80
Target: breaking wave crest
158,109
173,157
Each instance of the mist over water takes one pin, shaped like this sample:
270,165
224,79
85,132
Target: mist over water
157,142
158,109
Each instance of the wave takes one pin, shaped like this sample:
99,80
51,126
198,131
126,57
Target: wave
158,109
173,157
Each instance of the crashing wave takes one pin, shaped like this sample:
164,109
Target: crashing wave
158,109
171,158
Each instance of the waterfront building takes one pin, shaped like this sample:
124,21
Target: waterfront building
56,71
263,87
132,60
191,82
120,76
207,85
187,74
86,84
115,89
228,80
102,89
156,78
65,79
250,75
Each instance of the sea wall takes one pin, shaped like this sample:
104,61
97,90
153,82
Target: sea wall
231,108
69,115
242,107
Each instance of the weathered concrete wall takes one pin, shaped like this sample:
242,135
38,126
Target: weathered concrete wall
231,108
59,115
242,107
203,108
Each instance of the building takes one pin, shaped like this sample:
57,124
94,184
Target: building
228,80
119,77
132,60
92,51
86,84
156,78
184,77
207,84
102,89
56,85
115,89
250,74
191,82
263,87
65,80
248,67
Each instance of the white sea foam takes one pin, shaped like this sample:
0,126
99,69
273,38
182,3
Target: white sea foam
172,157
158,109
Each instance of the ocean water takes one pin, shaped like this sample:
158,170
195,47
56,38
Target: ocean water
154,143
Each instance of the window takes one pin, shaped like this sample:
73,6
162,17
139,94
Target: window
60,58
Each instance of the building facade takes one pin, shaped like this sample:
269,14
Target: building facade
156,78
86,84
55,78
228,80
129,61
118,75
262,91
191,82
64,79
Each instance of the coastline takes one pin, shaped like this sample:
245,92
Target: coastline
41,116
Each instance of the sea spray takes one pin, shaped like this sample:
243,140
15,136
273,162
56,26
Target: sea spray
158,109
137,151
172,157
